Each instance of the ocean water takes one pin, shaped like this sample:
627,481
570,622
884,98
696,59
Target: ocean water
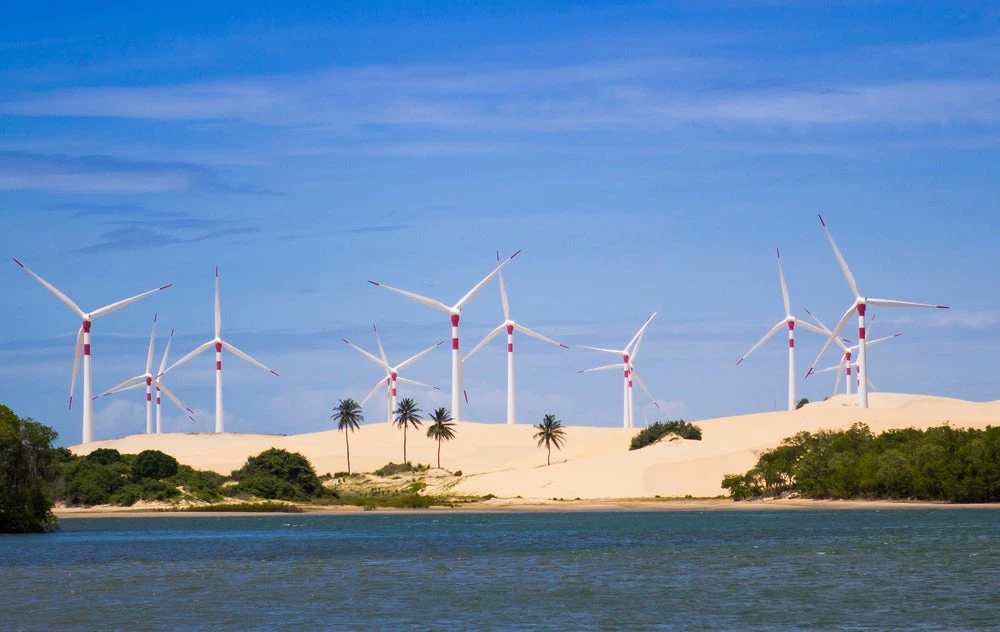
904,569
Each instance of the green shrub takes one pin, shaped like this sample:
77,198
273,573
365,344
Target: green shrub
104,456
278,474
457,473
154,464
391,468
88,482
658,430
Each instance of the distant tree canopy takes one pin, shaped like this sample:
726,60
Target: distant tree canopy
939,463
154,464
660,429
278,474
29,469
802,402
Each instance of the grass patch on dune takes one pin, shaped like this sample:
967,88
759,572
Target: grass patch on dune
258,507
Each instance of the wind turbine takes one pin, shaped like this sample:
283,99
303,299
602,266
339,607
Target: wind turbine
149,380
391,372
159,384
83,343
455,311
510,325
628,355
788,321
860,304
218,343
846,364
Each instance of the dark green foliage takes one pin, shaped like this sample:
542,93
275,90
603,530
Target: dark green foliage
391,468
29,467
277,474
802,402
407,414
658,430
940,463
154,464
104,456
89,482
110,478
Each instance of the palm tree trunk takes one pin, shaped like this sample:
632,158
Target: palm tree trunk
348,441
439,453
404,443
548,458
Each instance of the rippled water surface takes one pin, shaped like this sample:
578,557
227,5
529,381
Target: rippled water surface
907,569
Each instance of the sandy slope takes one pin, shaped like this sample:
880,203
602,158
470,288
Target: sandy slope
595,463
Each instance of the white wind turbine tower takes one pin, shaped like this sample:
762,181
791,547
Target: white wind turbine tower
628,355
83,344
788,321
149,380
391,372
846,365
860,304
455,311
218,343
510,325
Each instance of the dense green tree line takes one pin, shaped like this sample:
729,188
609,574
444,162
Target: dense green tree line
941,463
29,471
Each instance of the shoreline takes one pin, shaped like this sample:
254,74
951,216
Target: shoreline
518,505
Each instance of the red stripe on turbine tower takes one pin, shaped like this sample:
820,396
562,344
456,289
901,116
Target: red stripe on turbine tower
86,326
86,349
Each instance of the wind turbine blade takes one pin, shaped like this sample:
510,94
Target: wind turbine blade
381,349
461,376
871,385
51,288
479,286
830,369
833,336
643,387
132,382
404,380
107,309
416,297
805,325
635,350
173,398
503,293
218,306
869,343
840,258
410,361
535,334
606,367
822,326
196,351
614,351
642,329
486,339
881,302
371,357
784,287
246,357
836,382
766,337
76,364
378,385
166,352
149,356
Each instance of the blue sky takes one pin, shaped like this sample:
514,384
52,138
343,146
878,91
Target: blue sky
645,156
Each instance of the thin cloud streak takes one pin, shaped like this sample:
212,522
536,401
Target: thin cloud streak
654,94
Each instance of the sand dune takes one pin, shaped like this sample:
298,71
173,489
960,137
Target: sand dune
594,464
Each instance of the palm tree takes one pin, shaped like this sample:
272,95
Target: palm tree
442,428
348,416
550,433
407,414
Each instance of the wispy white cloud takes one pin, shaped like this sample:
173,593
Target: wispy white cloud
656,93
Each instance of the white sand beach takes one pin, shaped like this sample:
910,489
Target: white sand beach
594,464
